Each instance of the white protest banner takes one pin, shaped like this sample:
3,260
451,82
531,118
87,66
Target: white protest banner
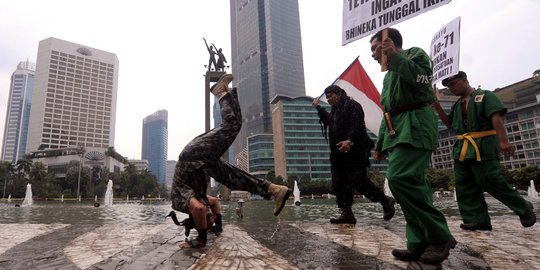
445,51
364,17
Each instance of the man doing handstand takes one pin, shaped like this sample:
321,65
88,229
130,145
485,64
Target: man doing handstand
201,159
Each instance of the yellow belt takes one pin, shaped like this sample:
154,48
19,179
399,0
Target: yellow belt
469,137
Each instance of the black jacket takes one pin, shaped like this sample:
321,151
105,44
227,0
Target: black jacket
346,121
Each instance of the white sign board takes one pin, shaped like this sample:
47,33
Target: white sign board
364,17
445,51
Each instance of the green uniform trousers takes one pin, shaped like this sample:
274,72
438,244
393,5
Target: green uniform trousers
407,180
472,179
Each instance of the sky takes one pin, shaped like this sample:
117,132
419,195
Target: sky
162,54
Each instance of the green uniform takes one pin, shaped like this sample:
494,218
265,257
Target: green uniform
473,177
407,82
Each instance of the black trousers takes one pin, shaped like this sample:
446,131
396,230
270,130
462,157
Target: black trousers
348,177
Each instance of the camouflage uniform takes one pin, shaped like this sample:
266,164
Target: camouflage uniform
201,159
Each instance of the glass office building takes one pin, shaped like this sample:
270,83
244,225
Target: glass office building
154,143
266,60
300,148
18,112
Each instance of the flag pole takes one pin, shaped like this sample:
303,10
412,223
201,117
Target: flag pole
341,74
384,58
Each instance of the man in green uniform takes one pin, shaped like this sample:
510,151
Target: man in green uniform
477,119
408,136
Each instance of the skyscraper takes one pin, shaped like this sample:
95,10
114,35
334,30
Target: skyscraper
18,112
266,60
154,143
74,97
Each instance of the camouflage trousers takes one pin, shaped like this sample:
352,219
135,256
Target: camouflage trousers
201,159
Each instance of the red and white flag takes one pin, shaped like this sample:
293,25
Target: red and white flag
355,81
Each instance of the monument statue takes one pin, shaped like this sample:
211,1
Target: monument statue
221,60
212,59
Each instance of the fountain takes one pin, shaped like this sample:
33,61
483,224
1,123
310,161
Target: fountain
62,198
531,192
9,198
296,193
108,200
28,196
142,198
387,191
95,198
127,198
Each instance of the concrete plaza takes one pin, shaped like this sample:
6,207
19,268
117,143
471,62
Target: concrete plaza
258,245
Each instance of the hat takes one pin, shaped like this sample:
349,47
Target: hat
460,75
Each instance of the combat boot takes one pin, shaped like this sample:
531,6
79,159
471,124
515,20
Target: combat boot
389,208
281,194
346,217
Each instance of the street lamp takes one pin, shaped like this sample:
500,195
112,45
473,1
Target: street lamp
4,194
81,155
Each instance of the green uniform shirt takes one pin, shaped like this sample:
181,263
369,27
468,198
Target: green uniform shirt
481,106
408,81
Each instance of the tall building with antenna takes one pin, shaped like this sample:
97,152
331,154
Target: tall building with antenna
19,104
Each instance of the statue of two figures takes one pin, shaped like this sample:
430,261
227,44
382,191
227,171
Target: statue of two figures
213,51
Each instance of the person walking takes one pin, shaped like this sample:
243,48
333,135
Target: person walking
477,119
350,149
408,136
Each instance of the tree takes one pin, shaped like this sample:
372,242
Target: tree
6,174
70,182
20,177
521,178
50,187
304,180
24,166
37,176
318,186
440,179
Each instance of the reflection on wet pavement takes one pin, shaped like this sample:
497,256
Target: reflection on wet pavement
137,236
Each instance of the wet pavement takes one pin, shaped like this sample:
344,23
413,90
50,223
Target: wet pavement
278,244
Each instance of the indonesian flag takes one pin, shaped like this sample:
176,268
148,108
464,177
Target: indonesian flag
355,81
